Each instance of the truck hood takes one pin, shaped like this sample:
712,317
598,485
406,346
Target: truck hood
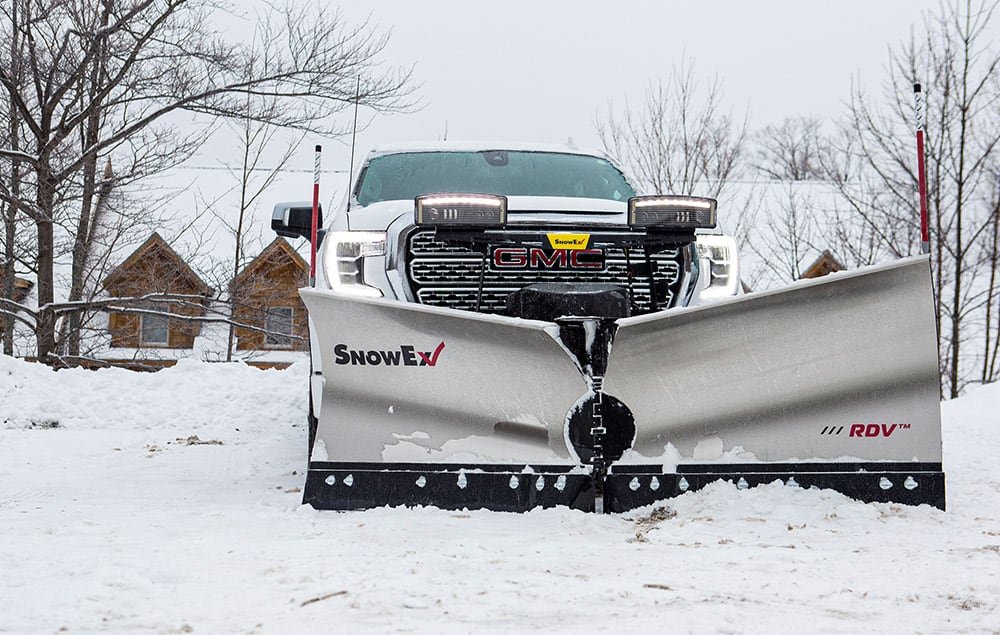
521,210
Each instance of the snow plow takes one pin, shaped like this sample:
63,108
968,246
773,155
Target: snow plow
516,328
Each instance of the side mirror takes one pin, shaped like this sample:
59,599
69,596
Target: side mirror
293,220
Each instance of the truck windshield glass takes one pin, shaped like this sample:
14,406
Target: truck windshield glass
404,176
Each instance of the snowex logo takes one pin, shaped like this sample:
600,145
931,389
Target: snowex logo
565,251
405,355
568,241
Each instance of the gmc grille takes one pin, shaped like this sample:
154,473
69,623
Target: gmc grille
447,275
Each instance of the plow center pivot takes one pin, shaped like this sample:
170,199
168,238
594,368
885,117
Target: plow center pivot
600,427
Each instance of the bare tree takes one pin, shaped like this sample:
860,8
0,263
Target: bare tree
991,321
789,151
11,185
876,173
784,239
256,141
103,79
679,140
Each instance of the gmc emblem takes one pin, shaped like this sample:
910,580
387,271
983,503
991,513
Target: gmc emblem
540,258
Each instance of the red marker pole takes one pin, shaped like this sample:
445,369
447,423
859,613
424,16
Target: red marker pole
315,218
921,116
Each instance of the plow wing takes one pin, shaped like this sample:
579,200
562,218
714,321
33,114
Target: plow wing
829,383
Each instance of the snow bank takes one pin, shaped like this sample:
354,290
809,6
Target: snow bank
202,395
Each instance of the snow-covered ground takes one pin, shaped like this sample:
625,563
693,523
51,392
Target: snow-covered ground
169,503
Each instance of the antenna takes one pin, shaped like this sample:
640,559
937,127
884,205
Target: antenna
354,136
920,113
315,217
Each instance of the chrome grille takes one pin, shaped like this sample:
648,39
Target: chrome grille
442,274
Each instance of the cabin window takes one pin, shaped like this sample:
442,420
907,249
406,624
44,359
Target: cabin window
278,324
154,330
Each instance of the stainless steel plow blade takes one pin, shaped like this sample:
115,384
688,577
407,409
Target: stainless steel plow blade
830,383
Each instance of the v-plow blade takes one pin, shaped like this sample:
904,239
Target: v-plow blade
830,383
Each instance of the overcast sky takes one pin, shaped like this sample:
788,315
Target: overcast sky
544,70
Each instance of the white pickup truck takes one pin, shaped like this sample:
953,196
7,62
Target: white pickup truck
511,326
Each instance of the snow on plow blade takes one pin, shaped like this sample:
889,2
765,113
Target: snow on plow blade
830,383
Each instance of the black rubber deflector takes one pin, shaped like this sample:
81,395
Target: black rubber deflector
550,300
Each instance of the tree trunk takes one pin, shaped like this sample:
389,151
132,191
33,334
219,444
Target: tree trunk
992,334
11,211
9,215
45,333
82,247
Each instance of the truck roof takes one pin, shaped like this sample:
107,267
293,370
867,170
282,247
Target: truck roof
478,146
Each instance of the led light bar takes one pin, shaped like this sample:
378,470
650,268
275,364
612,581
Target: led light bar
460,210
672,212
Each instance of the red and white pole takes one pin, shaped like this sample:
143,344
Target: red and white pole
315,218
921,116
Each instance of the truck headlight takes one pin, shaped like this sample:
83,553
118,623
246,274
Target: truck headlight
344,261
672,212
720,261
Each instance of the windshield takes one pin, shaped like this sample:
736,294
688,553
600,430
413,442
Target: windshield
404,176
